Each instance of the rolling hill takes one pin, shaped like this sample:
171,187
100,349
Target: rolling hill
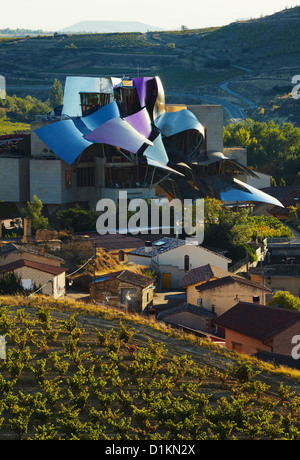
255,59
108,27
76,371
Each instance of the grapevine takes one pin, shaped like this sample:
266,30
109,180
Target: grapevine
59,382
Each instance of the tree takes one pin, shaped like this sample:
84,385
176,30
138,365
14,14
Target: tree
285,299
56,94
273,149
34,213
76,219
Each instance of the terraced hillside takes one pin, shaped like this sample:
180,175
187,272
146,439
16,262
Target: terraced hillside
77,371
255,59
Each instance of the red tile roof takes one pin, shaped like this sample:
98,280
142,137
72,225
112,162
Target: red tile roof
258,321
126,276
204,273
53,270
115,242
229,280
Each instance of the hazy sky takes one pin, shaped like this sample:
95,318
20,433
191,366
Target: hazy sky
54,15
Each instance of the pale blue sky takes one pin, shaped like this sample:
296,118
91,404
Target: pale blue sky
169,14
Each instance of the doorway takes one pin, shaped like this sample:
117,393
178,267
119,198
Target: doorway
166,281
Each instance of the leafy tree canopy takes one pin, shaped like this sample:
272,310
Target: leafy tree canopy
34,213
22,109
271,148
56,94
233,230
77,219
285,299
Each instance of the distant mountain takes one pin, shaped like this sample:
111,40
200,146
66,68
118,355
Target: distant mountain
109,27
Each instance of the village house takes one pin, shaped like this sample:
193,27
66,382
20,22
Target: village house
252,328
222,294
212,292
197,276
12,252
278,277
50,278
190,318
172,258
125,289
35,267
117,245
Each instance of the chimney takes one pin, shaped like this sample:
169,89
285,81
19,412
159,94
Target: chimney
256,299
26,230
148,246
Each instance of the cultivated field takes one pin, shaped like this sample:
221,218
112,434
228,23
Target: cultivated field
80,371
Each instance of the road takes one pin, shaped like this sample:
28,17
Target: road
165,300
224,87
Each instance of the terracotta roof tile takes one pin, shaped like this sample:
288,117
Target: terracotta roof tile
12,247
203,273
258,321
229,280
126,276
276,270
35,265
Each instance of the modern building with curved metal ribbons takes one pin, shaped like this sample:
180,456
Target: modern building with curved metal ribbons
129,125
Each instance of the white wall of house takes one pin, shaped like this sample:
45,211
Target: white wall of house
198,256
173,261
54,285
59,284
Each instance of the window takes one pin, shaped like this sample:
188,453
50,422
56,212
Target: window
68,178
90,102
86,177
27,284
186,263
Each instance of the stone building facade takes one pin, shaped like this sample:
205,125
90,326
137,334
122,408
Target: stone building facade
125,289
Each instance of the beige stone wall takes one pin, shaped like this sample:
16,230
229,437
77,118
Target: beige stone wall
113,289
38,147
285,283
211,118
225,297
280,283
40,278
192,295
147,297
46,179
9,180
